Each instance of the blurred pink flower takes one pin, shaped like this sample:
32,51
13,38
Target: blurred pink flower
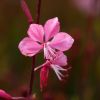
47,38
91,7
4,95
56,64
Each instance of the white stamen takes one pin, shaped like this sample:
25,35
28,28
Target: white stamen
57,70
60,68
45,64
52,51
49,53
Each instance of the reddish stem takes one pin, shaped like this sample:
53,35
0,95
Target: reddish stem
38,10
32,76
30,21
26,11
33,59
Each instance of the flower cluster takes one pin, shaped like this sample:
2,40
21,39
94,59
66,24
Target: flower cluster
52,42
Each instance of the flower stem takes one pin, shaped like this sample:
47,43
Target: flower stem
33,59
26,11
32,76
38,10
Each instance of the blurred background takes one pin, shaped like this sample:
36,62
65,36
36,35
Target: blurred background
79,18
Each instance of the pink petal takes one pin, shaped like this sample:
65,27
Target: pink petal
62,41
4,95
60,59
28,47
44,77
51,28
36,32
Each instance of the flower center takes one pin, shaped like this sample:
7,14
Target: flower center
49,52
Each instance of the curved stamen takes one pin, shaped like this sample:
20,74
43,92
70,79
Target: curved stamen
47,63
57,69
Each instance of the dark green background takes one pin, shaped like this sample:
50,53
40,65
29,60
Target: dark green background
83,82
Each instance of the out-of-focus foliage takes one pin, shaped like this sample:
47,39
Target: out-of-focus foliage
83,82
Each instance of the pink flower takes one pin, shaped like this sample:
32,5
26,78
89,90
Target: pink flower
4,95
47,38
56,64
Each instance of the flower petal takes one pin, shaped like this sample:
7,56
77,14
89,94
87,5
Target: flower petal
28,47
44,77
4,95
51,28
62,41
60,59
36,32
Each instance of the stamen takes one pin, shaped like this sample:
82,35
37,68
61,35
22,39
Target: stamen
47,63
60,68
60,73
57,69
35,69
57,73
46,53
49,53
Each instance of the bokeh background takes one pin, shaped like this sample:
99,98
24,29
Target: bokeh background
81,20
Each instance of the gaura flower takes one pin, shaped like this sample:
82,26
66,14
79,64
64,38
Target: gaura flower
56,64
47,38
